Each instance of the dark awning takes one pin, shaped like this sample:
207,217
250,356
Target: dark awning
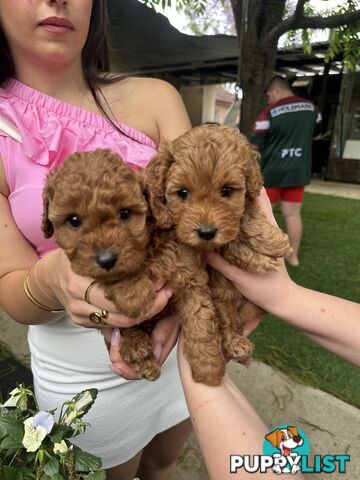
144,42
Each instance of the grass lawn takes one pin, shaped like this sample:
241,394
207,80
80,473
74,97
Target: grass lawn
330,262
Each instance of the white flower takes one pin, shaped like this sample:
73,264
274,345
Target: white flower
18,398
36,429
60,448
44,419
12,400
33,435
83,401
70,417
77,406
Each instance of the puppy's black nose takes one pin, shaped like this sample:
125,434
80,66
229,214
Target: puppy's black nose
106,259
297,439
206,232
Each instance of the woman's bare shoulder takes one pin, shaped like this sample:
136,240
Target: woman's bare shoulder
148,104
138,87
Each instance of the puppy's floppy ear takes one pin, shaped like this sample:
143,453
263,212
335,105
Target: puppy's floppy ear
140,175
250,157
46,225
254,180
155,179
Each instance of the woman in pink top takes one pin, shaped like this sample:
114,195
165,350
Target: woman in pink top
50,96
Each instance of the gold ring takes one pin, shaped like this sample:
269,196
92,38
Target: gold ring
97,318
104,314
87,291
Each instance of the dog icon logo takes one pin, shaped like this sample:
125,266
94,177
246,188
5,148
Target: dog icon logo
285,440
286,450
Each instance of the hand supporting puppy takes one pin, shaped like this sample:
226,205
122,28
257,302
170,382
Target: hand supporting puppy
164,337
69,289
317,314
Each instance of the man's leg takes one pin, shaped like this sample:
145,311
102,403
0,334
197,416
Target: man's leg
292,215
273,194
160,455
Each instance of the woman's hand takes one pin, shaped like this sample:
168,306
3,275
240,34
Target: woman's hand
164,337
69,288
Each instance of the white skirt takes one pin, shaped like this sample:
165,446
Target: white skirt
126,415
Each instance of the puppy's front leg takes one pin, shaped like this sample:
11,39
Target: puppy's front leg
134,297
183,268
202,340
136,349
231,321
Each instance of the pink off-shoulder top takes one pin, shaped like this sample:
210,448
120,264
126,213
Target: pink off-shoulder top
51,130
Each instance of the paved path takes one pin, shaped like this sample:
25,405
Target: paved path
332,426
338,189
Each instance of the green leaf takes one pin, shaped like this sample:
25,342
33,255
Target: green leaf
98,475
57,476
26,473
10,473
60,432
9,442
85,462
52,466
13,427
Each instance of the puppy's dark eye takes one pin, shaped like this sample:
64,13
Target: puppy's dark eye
226,191
125,213
183,193
74,221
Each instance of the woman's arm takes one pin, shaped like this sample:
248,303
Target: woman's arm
224,423
332,322
16,258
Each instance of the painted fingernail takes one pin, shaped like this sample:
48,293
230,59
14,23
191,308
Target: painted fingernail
115,337
169,293
157,350
116,370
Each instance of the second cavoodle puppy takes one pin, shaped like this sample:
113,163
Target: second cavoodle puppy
201,187
95,208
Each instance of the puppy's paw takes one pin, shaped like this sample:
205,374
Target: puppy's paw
149,369
208,374
237,347
136,350
134,305
265,264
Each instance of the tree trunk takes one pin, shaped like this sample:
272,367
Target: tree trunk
257,58
259,69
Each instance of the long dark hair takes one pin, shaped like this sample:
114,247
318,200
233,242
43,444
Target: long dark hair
95,59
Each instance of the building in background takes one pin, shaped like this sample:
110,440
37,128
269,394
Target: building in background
211,104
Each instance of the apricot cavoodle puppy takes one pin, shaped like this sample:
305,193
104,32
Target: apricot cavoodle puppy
201,188
95,208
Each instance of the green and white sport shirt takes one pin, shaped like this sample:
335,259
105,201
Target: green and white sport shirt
283,131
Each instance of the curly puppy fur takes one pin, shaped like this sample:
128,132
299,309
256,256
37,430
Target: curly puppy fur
95,207
201,188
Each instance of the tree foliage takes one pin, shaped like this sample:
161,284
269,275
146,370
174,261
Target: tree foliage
198,6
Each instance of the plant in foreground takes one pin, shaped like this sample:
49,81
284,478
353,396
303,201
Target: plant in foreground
35,444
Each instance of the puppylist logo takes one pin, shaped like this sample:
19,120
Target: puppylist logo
286,449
